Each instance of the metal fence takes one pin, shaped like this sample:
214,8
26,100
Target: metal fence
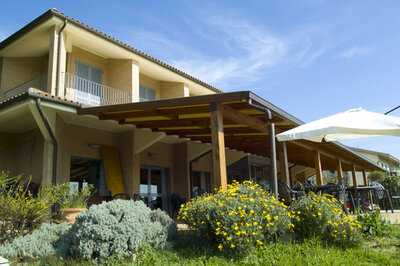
91,93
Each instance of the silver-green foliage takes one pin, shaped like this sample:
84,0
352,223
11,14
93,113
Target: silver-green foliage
117,228
40,243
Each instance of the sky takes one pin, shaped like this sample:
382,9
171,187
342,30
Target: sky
313,58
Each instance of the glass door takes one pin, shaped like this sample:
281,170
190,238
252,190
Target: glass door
153,187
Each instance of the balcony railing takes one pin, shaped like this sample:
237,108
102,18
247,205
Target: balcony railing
40,83
91,93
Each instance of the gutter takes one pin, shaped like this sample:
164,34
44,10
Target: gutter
58,56
53,138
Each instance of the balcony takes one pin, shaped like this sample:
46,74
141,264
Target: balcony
91,93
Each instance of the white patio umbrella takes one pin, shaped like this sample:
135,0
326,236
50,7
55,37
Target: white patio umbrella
354,123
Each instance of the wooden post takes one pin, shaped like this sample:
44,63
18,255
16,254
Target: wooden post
365,177
339,171
218,147
318,168
354,175
272,141
284,165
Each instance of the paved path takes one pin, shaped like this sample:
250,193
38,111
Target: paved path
394,218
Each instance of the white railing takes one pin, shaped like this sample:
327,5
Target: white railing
37,83
91,93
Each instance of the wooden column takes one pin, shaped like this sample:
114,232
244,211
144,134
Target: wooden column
365,177
318,168
339,171
354,175
218,147
272,140
284,165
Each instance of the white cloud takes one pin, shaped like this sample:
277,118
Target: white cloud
355,51
238,51
251,50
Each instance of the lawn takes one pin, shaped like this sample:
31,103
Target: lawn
379,251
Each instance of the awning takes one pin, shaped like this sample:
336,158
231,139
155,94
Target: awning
245,125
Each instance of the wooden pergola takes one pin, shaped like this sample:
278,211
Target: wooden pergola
238,120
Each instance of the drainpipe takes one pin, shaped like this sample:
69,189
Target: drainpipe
53,139
58,56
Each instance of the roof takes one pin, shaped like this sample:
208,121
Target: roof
55,13
34,93
245,125
382,154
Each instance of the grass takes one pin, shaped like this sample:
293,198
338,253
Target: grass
378,251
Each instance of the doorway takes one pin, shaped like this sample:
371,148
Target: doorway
153,187
86,171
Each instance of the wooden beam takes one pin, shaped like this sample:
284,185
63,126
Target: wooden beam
240,118
283,158
318,168
230,97
218,147
156,112
354,175
202,122
339,170
365,178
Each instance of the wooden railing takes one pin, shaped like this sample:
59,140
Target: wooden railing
91,93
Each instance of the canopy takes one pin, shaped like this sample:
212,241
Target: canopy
354,123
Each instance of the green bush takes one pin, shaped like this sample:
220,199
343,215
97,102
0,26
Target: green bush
165,220
373,224
321,216
20,211
117,228
238,218
392,183
40,243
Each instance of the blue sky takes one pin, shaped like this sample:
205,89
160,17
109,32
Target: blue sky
312,58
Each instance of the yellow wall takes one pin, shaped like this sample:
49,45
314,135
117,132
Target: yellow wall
120,74
75,140
16,71
150,83
172,90
20,154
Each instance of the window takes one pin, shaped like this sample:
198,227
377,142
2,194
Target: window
88,92
88,72
146,94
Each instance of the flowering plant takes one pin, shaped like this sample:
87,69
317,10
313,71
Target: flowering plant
321,216
242,216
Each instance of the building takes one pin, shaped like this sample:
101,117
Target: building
79,106
387,162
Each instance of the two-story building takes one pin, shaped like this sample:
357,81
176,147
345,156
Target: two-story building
79,106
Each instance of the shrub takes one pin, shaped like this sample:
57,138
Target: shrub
117,228
20,211
40,243
238,218
372,223
392,183
167,223
321,216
